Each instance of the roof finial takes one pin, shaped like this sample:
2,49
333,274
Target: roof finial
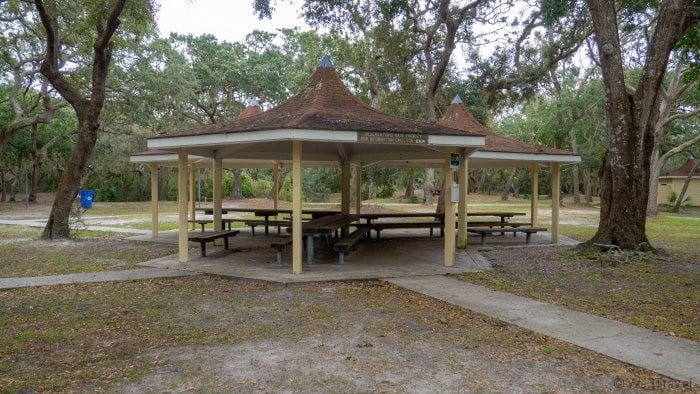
326,62
456,100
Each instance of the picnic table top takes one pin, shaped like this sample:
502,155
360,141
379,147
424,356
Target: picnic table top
326,224
433,214
269,211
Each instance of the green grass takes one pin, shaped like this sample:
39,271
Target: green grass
649,291
23,254
677,234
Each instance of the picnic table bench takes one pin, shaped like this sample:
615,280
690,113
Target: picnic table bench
348,243
225,222
279,248
484,231
210,236
324,226
378,227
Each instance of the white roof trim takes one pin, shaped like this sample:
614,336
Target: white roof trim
540,157
289,135
160,157
678,176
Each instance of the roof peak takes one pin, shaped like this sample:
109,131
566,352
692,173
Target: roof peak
326,62
253,102
456,100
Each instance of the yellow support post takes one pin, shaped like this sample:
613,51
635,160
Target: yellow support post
449,212
192,197
463,178
276,184
358,188
216,186
556,190
296,207
534,181
154,200
345,188
182,206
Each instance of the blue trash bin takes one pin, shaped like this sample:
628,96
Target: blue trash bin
86,198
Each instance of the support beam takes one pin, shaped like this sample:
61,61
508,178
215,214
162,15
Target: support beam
534,193
216,200
296,207
556,190
154,200
276,184
358,188
345,188
192,196
449,212
463,180
182,206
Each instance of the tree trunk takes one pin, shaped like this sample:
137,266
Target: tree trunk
36,162
440,209
58,225
410,183
588,192
654,173
624,179
3,193
681,196
236,190
508,185
282,176
428,186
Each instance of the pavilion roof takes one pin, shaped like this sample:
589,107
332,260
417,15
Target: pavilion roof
253,108
324,104
684,170
459,117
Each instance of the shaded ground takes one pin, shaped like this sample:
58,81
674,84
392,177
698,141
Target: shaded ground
214,334
656,293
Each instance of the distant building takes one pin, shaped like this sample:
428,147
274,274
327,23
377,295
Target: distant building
673,182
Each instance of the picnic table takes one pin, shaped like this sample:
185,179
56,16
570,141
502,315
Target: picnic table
266,213
325,226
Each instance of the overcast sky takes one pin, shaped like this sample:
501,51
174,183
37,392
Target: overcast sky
227,20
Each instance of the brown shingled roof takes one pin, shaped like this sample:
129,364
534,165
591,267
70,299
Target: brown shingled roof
459,117
324,104
684,170
253,108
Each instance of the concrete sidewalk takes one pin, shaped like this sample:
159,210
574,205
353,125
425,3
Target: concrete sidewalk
91,277
673,357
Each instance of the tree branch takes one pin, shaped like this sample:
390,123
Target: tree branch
679,149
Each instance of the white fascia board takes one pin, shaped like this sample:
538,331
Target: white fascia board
534,157
456,140
160,158
253,136
678,176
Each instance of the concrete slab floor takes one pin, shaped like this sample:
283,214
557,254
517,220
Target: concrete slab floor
253,258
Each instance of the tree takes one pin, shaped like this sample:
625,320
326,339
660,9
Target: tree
20,53
632,115
672,108
681,196
86,99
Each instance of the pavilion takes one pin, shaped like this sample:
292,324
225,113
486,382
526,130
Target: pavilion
500,151
322,125
325,125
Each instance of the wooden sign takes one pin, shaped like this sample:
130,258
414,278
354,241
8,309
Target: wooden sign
380,137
